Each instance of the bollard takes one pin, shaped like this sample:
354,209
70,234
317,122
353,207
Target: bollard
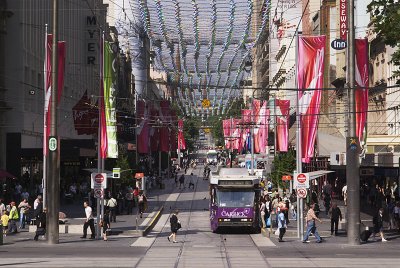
1,234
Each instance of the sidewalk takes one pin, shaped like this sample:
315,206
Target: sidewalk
324,228
124,227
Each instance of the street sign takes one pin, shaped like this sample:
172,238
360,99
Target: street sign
206,103
116,173
99,193
286,178
302,193
98,180
139,175
339,44
52,144
302,180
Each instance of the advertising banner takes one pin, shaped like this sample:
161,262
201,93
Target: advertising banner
110,94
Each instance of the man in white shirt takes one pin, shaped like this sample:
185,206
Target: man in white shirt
112,205
89,221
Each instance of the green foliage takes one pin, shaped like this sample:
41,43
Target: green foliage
123,163
217,131
191,128
385,18
284,164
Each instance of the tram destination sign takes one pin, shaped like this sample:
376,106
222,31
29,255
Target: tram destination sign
235,182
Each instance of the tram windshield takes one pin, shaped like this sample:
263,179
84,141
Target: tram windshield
232,199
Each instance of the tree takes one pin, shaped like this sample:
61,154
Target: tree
123,163
283,164
385,18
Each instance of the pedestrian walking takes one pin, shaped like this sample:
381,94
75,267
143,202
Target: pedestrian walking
182,181
23,212
282,223
106,224
13,216
129,197
378,225
2,207
176,180
396,212
293,204
311,227
175,226
142,199
336,215
344,193
40,224
262,212
4,220
120,202
89,222
37,206
191,183
112,206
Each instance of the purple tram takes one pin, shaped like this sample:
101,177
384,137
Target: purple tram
234,199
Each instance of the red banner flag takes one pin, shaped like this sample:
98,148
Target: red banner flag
362,80
181,138
282,124
155,130
61,50
81,115
310,75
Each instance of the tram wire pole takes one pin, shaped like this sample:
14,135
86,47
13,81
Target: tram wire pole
352,141
53,167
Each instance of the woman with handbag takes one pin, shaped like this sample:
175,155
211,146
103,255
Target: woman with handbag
175,226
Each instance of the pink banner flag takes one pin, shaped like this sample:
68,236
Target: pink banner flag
362,77
235,134
263,128
257,120
61,50
172,133
282,125
226,129
245,130
310,74
181,137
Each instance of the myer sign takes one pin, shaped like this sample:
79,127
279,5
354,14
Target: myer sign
338,44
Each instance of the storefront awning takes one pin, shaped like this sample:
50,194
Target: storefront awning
319,173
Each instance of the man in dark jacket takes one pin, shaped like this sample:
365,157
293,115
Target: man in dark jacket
40,224
336,215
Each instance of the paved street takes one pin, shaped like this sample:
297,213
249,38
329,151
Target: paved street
197,247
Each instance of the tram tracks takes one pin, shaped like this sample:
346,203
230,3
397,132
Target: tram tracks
178,257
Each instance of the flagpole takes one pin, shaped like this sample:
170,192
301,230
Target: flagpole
300,203
44,122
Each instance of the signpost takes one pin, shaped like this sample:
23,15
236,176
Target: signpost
302,192
302,180
116,173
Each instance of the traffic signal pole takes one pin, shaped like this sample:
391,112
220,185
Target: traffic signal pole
352,141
